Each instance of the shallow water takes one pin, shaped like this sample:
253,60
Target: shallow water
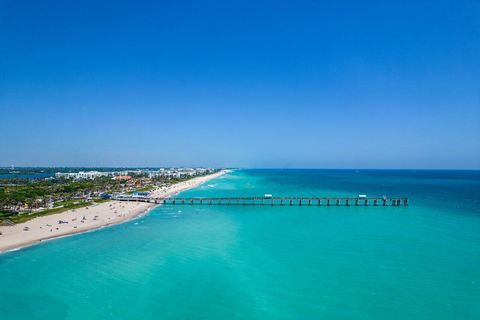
219,262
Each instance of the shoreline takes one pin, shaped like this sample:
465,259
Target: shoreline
87,219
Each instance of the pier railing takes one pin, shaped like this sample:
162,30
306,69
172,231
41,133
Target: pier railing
275,201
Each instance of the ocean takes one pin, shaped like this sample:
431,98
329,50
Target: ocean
229,262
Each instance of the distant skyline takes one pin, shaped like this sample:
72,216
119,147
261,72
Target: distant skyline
285,84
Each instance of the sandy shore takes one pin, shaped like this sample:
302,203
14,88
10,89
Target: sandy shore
85,219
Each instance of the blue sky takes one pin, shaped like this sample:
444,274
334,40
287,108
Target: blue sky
318,84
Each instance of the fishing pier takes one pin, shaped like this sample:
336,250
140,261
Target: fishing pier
274,201
287,201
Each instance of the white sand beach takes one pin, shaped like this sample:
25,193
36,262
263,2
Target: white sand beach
87,218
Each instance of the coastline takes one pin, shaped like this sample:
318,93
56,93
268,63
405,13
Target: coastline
86,219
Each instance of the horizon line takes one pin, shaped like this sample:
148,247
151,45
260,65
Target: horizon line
239,168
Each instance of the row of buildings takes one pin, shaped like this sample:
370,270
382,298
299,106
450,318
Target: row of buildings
126,174
178,172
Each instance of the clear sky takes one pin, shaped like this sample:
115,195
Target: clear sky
318,84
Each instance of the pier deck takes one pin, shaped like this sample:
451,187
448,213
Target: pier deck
276,201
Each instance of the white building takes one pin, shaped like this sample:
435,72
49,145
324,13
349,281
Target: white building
82,175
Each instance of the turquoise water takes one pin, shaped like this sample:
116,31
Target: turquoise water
219,262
